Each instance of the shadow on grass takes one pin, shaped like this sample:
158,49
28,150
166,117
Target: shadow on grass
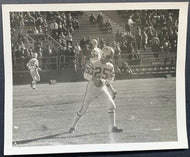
56,137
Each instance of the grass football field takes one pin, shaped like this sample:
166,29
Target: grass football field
146,110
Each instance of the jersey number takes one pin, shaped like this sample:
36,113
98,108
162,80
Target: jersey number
104,71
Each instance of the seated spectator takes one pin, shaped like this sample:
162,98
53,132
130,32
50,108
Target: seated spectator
30,19
102,43
88,40
62,39
163,20
82,43
59,19
64,28
54,28
39,21
21,46
166,47
14,53
70,29
38,45
13,31
69,17
14,19
60,27
129,24
22,58
108,26
40,52
45,26
35,31
155,44
21,20
129,38
76,24
50,51
92,19
172,39
69,38
20,36
150,33
123,66
124,47
78,49
87,52
63,16
100,19
138,39
40,30
30,52
130,21
130,48
117,36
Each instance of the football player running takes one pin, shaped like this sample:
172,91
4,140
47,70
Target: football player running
99,74
96,55
33,66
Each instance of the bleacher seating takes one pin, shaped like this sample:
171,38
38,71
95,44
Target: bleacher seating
143,61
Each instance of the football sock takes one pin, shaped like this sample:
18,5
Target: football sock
75,122
112,118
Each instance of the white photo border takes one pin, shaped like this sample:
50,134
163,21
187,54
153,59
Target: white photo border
180,78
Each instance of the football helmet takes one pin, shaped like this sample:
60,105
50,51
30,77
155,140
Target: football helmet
107,54
94,43
35,55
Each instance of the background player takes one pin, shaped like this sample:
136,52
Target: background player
96,52
99,73
33,66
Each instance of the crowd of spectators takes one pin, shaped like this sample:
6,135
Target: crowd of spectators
104,25
59,25
154,28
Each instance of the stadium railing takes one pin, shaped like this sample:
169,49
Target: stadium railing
46,63
49,63
66,62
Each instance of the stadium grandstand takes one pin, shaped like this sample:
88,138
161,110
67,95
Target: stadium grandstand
146,40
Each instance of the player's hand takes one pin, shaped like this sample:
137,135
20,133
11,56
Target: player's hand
98,82
39,69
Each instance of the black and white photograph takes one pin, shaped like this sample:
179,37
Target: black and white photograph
94,77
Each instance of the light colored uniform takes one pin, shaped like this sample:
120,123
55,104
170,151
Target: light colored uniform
33,66
105,72
95,54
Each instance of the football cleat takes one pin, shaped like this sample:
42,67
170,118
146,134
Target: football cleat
71,130
114,95
115,129
33,86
